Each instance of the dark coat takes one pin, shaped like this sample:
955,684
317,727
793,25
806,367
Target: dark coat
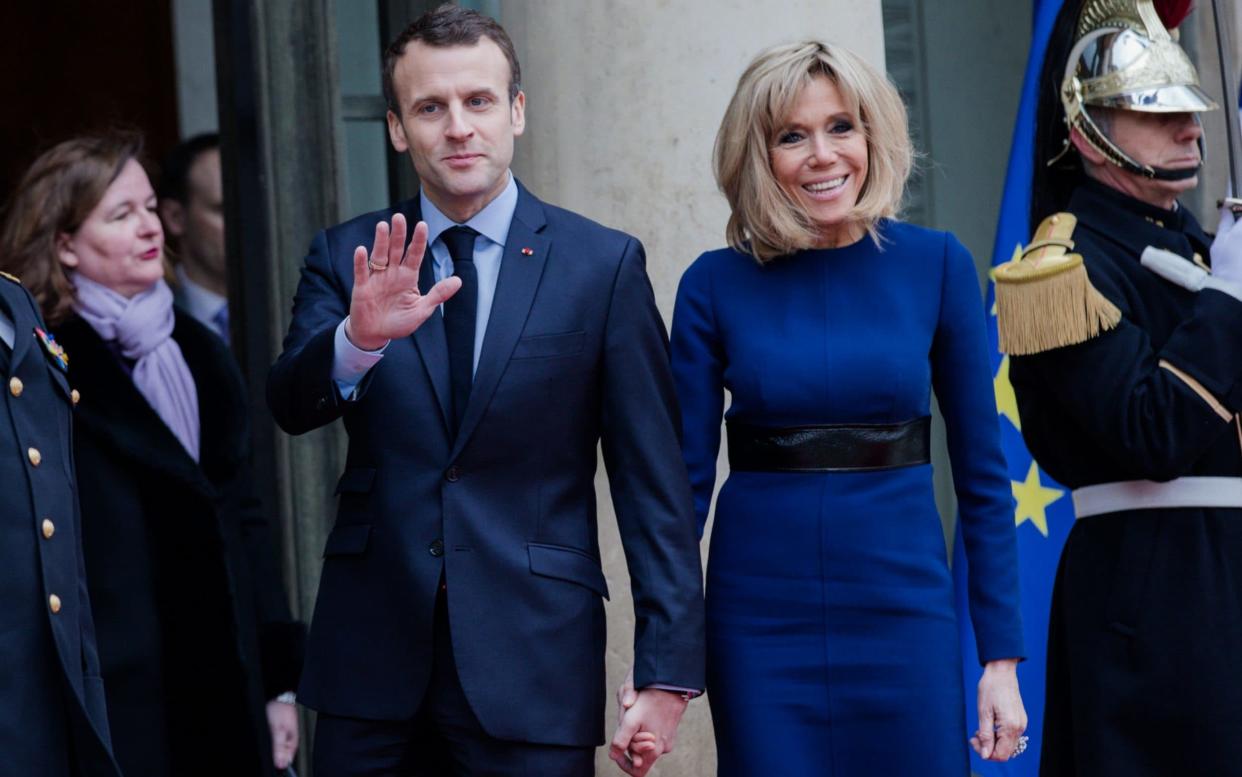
1146,625
574,355
52,717
194,628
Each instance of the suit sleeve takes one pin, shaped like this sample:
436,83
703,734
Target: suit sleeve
1156,411
698,374
300,391
654,507
281,638
962,379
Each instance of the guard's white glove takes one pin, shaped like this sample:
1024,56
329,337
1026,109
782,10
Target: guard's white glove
1227,249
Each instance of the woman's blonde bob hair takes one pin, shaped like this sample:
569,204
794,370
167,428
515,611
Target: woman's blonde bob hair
766,221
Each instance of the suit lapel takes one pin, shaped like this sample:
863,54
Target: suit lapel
520,274
429,338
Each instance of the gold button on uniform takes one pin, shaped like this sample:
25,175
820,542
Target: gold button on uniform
49,528
53,602
15,387
34,456
75,396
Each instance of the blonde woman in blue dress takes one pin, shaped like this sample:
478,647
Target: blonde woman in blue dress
832,639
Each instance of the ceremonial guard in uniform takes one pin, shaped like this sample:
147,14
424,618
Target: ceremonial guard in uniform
52,717
1127,365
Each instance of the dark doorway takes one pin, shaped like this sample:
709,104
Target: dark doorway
76,66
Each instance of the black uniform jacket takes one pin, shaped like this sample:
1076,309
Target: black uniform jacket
1146,627
194,628
52,718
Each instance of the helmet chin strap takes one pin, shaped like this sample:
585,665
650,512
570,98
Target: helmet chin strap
1113,153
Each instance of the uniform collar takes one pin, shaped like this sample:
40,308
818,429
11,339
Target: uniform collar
1134,224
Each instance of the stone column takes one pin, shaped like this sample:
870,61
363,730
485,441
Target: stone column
276,74
624,99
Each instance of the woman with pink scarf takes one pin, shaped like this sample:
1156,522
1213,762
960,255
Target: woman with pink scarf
195,638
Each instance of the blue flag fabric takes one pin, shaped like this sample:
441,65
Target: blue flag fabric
1043,512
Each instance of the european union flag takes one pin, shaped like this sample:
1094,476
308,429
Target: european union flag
1044,512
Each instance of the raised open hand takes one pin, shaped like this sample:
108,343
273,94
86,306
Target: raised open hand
386,304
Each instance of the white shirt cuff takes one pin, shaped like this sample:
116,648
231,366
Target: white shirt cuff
688,693
350,364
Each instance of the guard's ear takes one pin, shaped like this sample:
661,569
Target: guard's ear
64,250
1085,149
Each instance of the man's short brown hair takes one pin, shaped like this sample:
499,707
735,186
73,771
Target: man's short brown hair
450,25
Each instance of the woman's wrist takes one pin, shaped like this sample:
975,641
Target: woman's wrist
1007,665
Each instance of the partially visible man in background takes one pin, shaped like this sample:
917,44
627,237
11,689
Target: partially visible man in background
191,207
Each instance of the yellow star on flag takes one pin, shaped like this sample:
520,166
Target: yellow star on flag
1033,500
1006,400
1017,254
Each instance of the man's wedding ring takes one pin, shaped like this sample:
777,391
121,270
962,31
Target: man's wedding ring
373,267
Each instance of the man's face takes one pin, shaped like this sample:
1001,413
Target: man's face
457,122
198,224
1162,140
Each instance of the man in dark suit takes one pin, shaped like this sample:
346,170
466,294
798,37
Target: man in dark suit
53,722
459,627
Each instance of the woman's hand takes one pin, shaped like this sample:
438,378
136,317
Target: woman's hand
1002,718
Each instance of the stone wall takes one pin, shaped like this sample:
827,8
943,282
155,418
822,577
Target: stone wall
623,102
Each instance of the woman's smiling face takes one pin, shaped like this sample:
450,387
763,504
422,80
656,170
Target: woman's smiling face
819,156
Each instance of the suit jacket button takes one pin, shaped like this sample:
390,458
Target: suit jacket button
75,396
53,602
15,387
49,528
34,456
453,475
321,403
436,548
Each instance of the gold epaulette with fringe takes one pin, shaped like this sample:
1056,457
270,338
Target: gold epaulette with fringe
1044,299
13,278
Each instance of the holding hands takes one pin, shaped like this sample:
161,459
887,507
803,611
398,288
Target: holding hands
1002,718
647,723
282,721
386,304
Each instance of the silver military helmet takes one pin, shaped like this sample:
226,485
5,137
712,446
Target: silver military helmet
1125,58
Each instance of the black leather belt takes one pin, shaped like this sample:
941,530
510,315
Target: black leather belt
829,447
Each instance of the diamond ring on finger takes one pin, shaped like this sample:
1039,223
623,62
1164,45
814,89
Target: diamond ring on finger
1020,748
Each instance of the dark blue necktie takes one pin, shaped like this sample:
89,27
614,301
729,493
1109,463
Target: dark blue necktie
459,317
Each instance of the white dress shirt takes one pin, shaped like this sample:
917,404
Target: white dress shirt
202,303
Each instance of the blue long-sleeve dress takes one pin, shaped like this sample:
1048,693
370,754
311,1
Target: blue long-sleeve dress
832,639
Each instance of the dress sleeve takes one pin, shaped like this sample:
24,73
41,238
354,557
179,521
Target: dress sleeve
698,374
962,379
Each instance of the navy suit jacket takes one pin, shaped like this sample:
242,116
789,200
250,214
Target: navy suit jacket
50,684
575,355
